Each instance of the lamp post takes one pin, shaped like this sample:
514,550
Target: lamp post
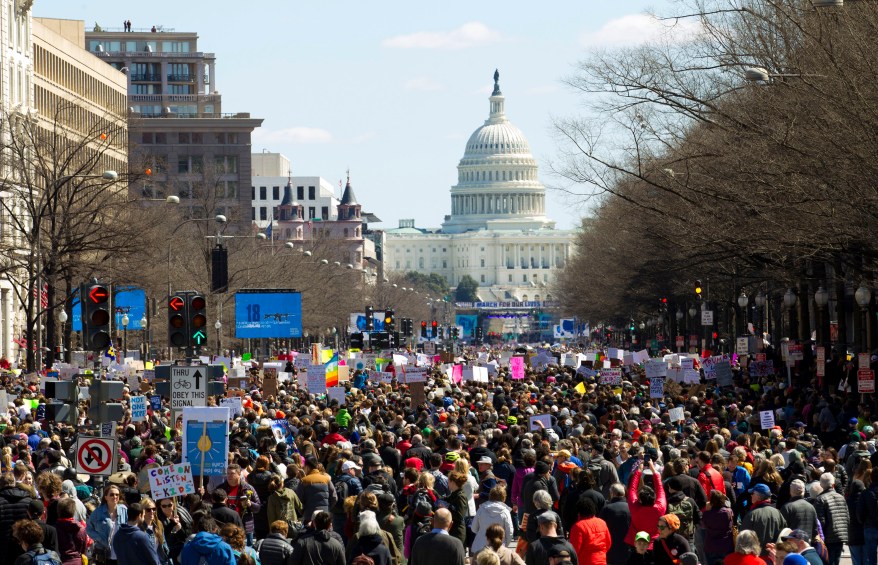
863,296
743,301
125,321
144,339
821,299
62,317
218,326
789,300
760,304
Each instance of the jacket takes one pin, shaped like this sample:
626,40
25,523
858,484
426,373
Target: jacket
457,505
717,524
765,520
284,499
259,481
13,507
490,512
225,515
800,515
856,535
508,556
437,549
248,516
591,539
316,493
211,547
273,550
605,474
396,557
518,483
669,552
711,479
832,511
394,525
645,518
617,516
133,547
373,547
867,507
72,541
692,488
533,483
538,551
317,548
99,522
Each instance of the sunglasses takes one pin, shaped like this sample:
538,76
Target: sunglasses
151,509
167,505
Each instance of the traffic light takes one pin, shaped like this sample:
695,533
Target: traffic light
434,331
479,334
100,394
357,341
698,289
177,320
370,322
715,335
96,308
388,320
219,269
424,333
454,332
441,333
197,316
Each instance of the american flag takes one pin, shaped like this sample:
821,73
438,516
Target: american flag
44,296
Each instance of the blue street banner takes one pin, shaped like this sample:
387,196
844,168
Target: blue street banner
126,300
267,313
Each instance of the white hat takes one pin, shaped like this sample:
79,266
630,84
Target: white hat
348,465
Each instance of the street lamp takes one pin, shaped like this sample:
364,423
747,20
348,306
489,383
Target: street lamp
219,326
692,311
743,301
144,339
125,321
62,317
863,296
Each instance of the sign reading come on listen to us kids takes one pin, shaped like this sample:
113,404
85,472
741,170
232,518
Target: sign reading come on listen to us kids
170,481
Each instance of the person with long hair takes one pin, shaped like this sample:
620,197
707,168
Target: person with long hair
176,525
104,522
259,479
717,521
496,536
155,530
766,473
856,530
237,538
72,539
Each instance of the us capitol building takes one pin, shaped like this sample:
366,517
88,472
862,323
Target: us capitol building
498,232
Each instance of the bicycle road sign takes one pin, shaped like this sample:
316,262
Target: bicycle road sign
95,456
188,387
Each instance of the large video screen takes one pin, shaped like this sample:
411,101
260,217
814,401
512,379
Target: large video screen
268,313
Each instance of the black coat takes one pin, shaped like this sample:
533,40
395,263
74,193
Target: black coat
373,547
13,507
617,515
274,550
437,549
225,515
318,548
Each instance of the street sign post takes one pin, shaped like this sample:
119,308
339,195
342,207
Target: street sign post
707,317
188,387
95,456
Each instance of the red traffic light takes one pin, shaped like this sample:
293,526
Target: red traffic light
176,303
98,294
423,325
198,303
664,300
715,335
100,317
435,323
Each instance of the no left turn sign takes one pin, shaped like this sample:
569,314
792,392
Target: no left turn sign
95,456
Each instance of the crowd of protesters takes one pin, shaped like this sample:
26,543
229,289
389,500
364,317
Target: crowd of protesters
466,475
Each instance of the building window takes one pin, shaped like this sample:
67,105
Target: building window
311,213
482,262
510,278
345,233
310,193
324,212
483,278
420,262
263,213
252,193
524,278
300,193
444,264
397,265
262,193
275,193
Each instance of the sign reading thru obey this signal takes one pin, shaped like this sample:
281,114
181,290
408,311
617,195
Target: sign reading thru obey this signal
95,455
188,387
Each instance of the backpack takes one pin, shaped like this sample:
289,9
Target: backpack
420,495
363,559
44,558
341,489
419,528
685,511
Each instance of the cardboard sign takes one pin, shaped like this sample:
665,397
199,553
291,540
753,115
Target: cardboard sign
235,405
138,408
206,439
336,393
316,379
611,377
108,429
766,419
269,383
640,357
155,402
415,375
656,369
723,371
796,352
516,367
865,380
657,388
761,369
546,419
384,377
171,481
676,414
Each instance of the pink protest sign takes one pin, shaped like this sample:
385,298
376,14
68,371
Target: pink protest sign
516,366
457,373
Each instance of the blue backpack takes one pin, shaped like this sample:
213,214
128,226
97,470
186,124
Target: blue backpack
44,558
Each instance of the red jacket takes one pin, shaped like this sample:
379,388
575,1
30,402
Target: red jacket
711,479
590,538
645,518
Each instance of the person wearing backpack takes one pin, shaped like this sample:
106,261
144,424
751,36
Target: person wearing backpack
346,484
283,503
369,548
29,535
684,508
131,544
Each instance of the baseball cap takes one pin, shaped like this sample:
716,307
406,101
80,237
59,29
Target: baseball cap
794,559
371,460
486,460
642,536
761,488
796,534
348,465
548,516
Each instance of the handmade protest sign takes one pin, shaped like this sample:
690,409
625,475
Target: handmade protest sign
171,481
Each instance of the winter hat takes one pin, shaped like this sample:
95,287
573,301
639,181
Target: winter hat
672,521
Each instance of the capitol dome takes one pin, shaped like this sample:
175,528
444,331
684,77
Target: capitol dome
498,185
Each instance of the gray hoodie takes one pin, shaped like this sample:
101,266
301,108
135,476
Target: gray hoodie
68,488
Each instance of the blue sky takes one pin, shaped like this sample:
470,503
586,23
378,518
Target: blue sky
391,90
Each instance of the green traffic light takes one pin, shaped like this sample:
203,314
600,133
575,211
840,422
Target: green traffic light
199,337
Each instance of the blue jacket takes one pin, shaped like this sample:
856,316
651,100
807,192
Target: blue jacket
211,547
133,546
740,480
98,527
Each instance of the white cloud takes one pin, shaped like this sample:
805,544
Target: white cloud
636,29
422,84
301,135
470,34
